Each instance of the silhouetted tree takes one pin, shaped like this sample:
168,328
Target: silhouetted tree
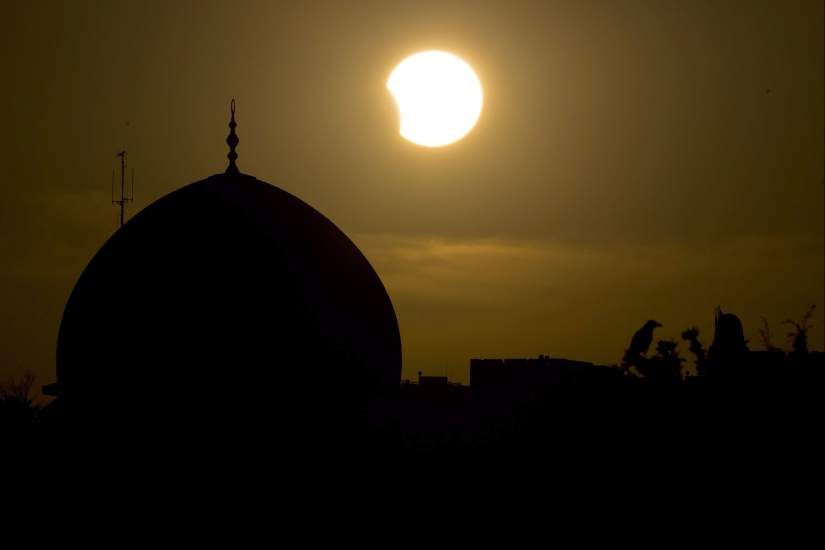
799,335
16,404
727,353
697,349
18,390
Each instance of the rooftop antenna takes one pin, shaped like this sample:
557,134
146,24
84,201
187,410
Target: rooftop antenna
126,194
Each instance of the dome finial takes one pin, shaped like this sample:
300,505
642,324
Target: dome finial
232,140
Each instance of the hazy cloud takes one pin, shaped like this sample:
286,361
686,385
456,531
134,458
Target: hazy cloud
462,298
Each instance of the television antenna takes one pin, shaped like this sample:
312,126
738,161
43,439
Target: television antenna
127,193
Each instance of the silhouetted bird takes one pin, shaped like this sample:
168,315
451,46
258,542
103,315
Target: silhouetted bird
640,343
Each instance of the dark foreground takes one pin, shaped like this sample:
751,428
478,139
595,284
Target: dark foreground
603,414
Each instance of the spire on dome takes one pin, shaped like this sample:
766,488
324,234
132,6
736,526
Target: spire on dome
232,140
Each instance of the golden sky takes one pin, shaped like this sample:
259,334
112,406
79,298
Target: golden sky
634,159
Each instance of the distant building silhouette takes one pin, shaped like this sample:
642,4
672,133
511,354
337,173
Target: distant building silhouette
433,380
542,371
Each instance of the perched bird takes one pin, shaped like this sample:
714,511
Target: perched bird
641,342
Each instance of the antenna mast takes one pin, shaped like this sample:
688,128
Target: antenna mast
126,195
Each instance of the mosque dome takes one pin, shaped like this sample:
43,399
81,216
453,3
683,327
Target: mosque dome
228,300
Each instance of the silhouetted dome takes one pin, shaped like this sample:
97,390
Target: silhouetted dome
228,300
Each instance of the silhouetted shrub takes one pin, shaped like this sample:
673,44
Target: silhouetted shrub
766,336
696,348
799,335
666,365
16,404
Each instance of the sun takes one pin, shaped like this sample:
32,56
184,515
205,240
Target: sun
438,95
